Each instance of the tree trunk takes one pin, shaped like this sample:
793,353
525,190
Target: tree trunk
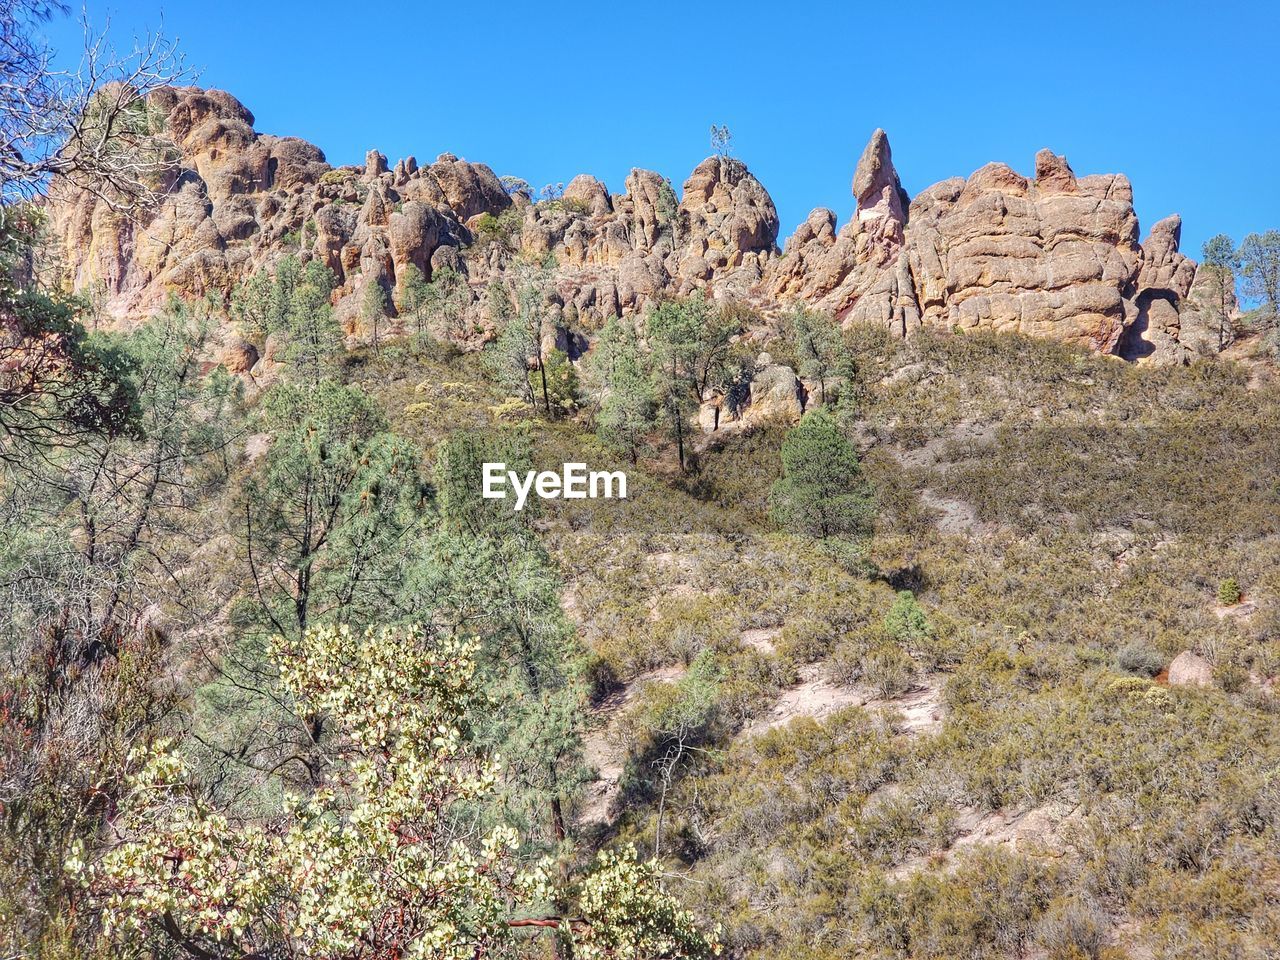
542,371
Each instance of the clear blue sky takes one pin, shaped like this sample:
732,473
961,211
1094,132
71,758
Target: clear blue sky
1183,97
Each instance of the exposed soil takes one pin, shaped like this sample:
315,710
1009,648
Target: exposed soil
816,696
601,749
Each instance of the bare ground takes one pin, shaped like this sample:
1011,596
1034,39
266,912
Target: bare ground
816,696
601,749
1039,828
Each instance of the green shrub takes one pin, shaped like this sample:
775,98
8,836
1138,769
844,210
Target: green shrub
806,640
1229,592
1073,928
1231,677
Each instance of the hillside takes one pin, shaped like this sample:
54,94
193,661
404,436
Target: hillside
939,620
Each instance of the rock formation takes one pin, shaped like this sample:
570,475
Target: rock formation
1053,255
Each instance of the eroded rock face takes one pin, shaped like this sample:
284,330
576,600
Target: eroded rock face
1052,255
860,273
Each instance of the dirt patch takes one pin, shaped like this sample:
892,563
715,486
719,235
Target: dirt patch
761,638
1038,828
955,517
920,707
601,748
1238,611
966,438
816,696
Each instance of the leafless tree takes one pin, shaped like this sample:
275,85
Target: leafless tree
92,125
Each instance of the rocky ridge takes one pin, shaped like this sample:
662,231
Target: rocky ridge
1054,255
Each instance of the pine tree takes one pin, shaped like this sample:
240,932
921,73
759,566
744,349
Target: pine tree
626,412
819,346
373,311
689,349
292,304
822,493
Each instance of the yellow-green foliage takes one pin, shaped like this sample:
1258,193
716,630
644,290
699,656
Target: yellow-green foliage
371,862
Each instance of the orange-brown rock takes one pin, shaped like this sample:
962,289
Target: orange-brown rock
1051,255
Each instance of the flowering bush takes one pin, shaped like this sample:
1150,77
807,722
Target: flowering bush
377,864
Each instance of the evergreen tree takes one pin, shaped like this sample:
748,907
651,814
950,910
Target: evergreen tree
1259,256
511,354
415,301
821,493
1219,264
329,526
435,308
292,305
322,518
373,311
562,383
906,622
518,357
819,347
689,346
506,592
626,411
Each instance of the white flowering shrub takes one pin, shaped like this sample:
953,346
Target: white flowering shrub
376,865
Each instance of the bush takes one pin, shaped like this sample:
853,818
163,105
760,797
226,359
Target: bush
1231,677
806,640
889,670
1140,658
1073,929
600,676
1229,592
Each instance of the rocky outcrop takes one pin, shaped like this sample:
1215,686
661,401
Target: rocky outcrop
860,273
1052,255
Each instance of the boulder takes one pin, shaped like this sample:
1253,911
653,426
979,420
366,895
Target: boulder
239,356
1190,670
775,396
591,193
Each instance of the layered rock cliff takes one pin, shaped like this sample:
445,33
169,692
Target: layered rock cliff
1053,255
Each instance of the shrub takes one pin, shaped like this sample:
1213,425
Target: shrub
1231,677
906,622
1229,592
806,640
1073,929
1140,658
600,677
889,670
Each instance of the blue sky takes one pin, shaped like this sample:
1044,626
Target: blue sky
1183,97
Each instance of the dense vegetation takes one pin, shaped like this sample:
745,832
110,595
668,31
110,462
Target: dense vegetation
824,666
892,681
